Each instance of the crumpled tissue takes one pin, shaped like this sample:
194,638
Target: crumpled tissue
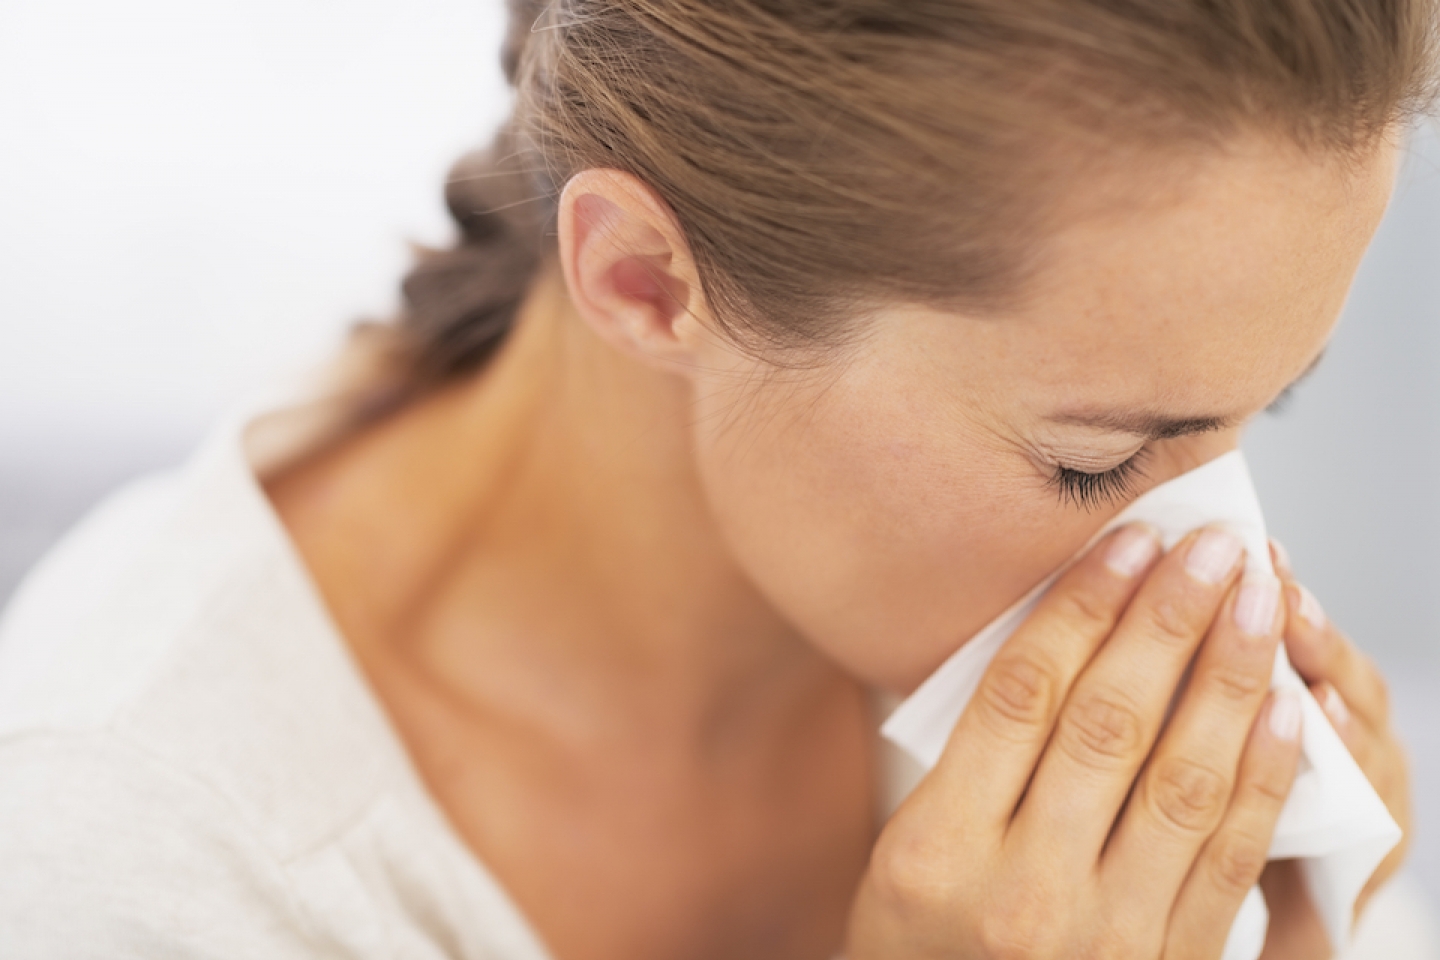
1333,820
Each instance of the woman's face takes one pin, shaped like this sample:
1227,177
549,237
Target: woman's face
893,501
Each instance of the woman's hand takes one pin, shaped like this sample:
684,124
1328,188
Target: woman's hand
1028,841
1347,685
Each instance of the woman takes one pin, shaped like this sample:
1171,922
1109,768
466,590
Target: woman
787,344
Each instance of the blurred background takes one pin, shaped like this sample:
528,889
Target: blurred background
196,197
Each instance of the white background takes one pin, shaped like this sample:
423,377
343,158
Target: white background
197,195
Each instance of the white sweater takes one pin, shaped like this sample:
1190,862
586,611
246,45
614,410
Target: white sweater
192,764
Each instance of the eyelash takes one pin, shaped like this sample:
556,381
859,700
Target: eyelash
1090,490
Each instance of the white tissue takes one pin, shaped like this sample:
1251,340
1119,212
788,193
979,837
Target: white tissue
1333,820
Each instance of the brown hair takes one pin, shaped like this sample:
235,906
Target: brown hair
823,153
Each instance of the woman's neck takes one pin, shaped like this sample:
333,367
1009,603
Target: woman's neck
536,539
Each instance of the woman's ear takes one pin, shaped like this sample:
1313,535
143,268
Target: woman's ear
629,269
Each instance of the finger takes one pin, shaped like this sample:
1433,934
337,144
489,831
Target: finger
1234,857
1389,772
1185,788
1280,557
1116,707
993,749
1333,704
1295,928
1319,652
1380,756
1358,738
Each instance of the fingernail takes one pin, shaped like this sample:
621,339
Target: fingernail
1335,709
1309,608
1213,554
1282,559
1132,550
1256,603
1285,714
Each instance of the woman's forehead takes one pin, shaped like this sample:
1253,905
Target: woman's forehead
1253,254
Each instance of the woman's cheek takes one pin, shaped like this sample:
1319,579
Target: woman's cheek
855,528
959,572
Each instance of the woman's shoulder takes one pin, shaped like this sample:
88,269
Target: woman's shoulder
110,840
108,851
58,640
177,618
171,563
191,762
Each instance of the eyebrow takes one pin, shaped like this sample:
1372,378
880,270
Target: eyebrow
1153,426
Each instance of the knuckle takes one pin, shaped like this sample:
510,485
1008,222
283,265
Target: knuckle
1268,788
1186,796
908,876
1085,610
1019,689
1123,934
1326,651
1377,691
1170,622
1102,729
1236,684
1236,862
1027,926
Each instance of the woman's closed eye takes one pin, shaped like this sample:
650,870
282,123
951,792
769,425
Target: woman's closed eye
1090,490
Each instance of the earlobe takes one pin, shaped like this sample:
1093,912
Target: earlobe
627,267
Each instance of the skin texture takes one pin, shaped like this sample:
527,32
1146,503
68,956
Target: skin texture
621,592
